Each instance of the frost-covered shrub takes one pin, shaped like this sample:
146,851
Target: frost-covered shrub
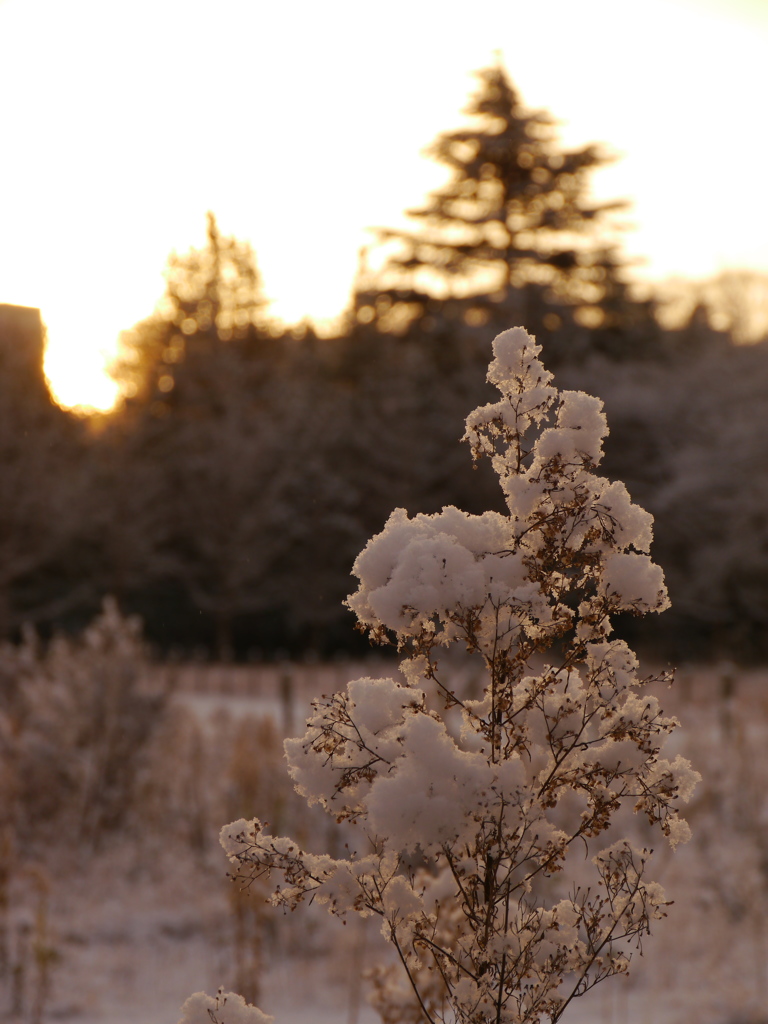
74,724
493,830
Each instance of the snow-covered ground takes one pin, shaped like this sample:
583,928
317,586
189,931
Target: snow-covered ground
135,928
133,948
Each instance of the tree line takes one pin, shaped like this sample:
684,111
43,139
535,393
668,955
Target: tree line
226,498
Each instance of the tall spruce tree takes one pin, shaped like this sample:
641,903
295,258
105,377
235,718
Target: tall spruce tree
511,236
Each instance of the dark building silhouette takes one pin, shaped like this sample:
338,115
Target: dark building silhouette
21,351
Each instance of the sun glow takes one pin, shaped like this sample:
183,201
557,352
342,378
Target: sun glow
77,363
125,125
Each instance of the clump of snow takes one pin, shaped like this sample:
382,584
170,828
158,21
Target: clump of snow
634,581
223,1008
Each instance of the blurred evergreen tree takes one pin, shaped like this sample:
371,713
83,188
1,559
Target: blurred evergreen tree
213,295
511,238
217,464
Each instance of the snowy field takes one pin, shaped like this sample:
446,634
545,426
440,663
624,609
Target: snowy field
122,934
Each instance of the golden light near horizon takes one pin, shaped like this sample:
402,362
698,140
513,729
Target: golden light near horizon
301,127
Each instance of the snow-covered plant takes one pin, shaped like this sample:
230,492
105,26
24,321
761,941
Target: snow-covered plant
493,828
223,1008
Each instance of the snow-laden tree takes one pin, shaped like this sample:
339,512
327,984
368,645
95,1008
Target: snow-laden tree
493,827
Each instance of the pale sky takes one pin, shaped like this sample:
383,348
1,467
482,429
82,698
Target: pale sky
300,124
